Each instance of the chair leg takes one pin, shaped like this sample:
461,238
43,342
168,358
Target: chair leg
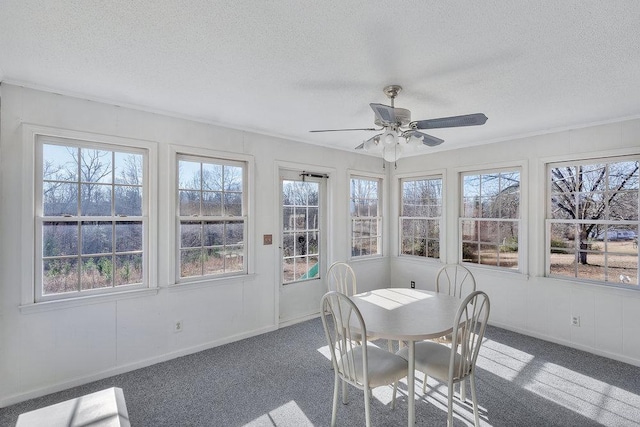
367,415
450,405
463,391
424,383
334,410
344,392
474,399
395,393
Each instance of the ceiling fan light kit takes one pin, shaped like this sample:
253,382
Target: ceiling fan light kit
400,134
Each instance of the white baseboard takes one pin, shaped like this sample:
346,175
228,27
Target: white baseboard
614,356
116,370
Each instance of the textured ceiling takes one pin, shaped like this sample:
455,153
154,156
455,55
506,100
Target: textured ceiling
285,67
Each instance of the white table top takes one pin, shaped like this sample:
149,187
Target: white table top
406,314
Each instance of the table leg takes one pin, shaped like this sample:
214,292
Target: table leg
411,381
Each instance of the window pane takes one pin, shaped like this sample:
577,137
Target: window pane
623,269
190,234
233,178
313,243
212,177
213,261
489,207
471,207
213,234
95,200
300,244
564,180
470,230
288,218
287,244
489,254
312,219
364,201
471,186
59,238
234,233
59,275
189,203
128,236
128,200
60,199
190,263
623,175
288,272
96,237
128,269
563,206
97,272
470,253
234,260
433,249
211,203
128,169
189,175
233,204
95,166
59,163
592,177
623,205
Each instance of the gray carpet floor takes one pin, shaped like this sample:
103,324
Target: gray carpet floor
283,378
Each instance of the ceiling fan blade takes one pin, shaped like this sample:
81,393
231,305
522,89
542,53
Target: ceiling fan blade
384,113
429,140
450,122
342,130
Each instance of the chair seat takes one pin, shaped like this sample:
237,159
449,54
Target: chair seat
384,367
432,358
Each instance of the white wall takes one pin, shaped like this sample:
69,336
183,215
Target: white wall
49,350
45,351
531,303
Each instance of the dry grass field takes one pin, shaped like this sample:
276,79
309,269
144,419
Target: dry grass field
618,265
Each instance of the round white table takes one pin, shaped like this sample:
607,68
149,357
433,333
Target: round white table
407,315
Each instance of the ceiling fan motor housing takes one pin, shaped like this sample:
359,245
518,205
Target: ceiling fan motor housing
403,117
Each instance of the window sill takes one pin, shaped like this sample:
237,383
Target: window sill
205,283
61,304
366,258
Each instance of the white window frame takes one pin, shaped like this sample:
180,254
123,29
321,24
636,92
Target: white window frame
379,218
522,209
440,219
177,151
605,158
32,299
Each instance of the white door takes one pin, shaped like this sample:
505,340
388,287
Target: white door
302,243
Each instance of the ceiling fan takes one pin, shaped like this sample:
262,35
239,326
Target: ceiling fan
396,123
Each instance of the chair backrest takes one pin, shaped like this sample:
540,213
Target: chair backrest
469,326
455,280
341,278
346,336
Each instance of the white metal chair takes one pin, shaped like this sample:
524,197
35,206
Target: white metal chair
341,278
455,280
355,361
444,362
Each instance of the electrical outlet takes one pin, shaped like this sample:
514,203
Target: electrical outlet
575,320
413,284
177,327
